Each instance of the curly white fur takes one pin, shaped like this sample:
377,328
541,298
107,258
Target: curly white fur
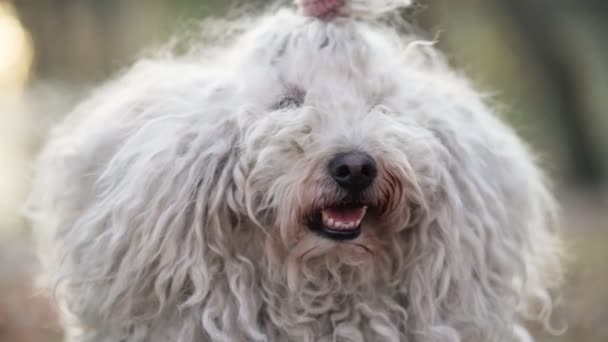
173,198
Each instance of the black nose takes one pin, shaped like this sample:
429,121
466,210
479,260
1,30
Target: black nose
353,171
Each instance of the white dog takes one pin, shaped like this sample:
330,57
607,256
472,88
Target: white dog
321,179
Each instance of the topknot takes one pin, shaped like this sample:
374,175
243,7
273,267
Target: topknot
330,9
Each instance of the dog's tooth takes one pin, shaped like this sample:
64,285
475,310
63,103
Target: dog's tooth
330,222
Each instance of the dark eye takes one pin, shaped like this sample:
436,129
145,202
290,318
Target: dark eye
287,103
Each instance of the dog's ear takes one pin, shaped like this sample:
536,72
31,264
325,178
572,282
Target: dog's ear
487,249
135,192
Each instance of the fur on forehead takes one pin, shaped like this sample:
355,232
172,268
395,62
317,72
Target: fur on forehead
286,51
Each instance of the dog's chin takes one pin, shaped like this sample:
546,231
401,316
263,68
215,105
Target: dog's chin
343,238
316,258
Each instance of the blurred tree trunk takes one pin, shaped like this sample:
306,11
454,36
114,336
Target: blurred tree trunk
540,29
70,37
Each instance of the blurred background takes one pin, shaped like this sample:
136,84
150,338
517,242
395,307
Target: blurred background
544,62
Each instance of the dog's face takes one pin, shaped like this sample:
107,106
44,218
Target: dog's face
331,137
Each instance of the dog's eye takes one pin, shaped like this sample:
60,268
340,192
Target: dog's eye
385,110
287,103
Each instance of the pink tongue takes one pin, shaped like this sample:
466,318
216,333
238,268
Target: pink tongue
345,214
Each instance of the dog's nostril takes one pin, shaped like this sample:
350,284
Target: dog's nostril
353,171
342,171
368,170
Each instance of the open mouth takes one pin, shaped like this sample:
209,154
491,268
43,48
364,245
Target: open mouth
340,222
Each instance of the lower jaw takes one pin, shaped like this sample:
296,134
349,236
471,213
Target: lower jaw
338,235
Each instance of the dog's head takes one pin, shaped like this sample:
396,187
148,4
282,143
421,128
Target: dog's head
330,134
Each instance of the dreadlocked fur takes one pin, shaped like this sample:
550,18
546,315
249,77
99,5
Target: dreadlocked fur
171,203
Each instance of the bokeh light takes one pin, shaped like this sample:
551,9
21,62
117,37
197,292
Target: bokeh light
16,55
15,52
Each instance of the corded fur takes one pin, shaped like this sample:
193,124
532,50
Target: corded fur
170,203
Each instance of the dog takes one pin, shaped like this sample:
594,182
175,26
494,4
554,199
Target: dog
323,177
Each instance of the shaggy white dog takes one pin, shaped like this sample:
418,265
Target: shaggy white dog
320,179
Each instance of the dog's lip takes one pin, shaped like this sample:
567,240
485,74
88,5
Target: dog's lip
339,222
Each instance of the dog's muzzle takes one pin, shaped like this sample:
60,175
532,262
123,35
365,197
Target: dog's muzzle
354,172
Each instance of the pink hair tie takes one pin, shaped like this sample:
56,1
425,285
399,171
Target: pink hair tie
322,9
